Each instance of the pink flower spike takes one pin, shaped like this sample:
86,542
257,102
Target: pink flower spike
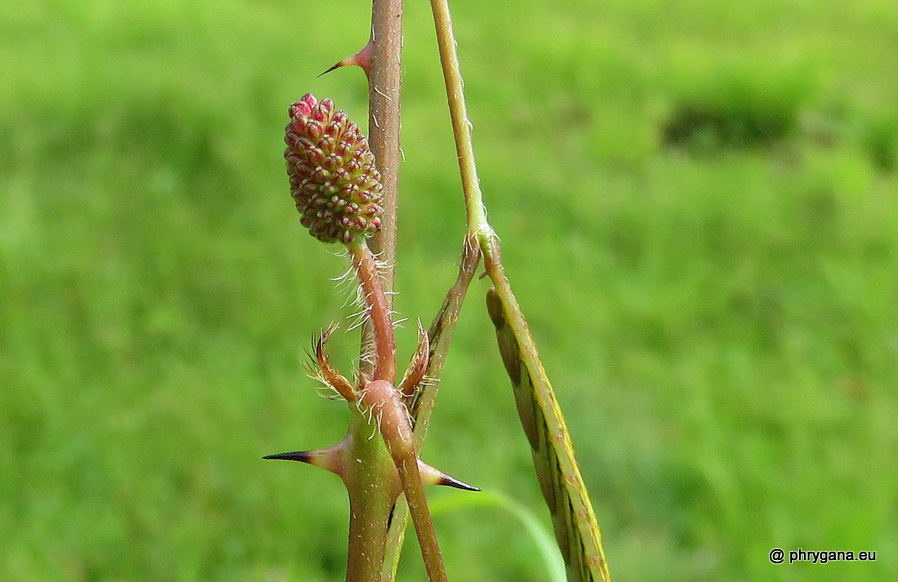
327,157
304,106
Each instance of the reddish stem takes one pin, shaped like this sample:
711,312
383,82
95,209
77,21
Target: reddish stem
384,81
378,312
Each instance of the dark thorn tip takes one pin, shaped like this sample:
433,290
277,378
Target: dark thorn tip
301,456
452,482
336,66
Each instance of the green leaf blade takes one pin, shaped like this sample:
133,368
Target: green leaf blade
573,519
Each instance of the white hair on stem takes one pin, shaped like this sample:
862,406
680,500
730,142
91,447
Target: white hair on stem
347,287
368,414
356,320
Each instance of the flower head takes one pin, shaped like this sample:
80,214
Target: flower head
333,178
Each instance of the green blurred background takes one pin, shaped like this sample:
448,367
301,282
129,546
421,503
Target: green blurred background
698,207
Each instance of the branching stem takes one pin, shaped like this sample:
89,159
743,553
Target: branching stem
385,403
586,561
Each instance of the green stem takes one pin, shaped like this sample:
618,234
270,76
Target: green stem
371,482
384,402
461,126
554,459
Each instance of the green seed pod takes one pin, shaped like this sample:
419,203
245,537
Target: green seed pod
333,178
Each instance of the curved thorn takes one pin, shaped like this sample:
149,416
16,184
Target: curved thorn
328,373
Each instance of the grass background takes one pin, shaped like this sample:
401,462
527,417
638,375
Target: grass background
697,203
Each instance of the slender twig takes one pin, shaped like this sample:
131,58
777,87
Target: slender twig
383,402
380,395
554,460
461,126
477,229
377,405
378,310
421,404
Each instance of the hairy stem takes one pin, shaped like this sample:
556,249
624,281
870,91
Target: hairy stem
477,230
384,74
384,402
380,320
384,83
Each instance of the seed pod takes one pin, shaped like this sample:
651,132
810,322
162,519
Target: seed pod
333,178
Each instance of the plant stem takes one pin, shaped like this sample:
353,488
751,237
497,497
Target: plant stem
407,464
572,514
420,406
381,323
370,480
384,401
370,515
461,126
384,83
443,325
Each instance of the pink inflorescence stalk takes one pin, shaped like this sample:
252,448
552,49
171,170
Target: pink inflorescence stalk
333,178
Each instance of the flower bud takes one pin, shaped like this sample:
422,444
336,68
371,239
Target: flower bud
333,178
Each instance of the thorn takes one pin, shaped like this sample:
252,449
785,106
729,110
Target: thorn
329,459
333,68
301,456
453,482
360,59
433,476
